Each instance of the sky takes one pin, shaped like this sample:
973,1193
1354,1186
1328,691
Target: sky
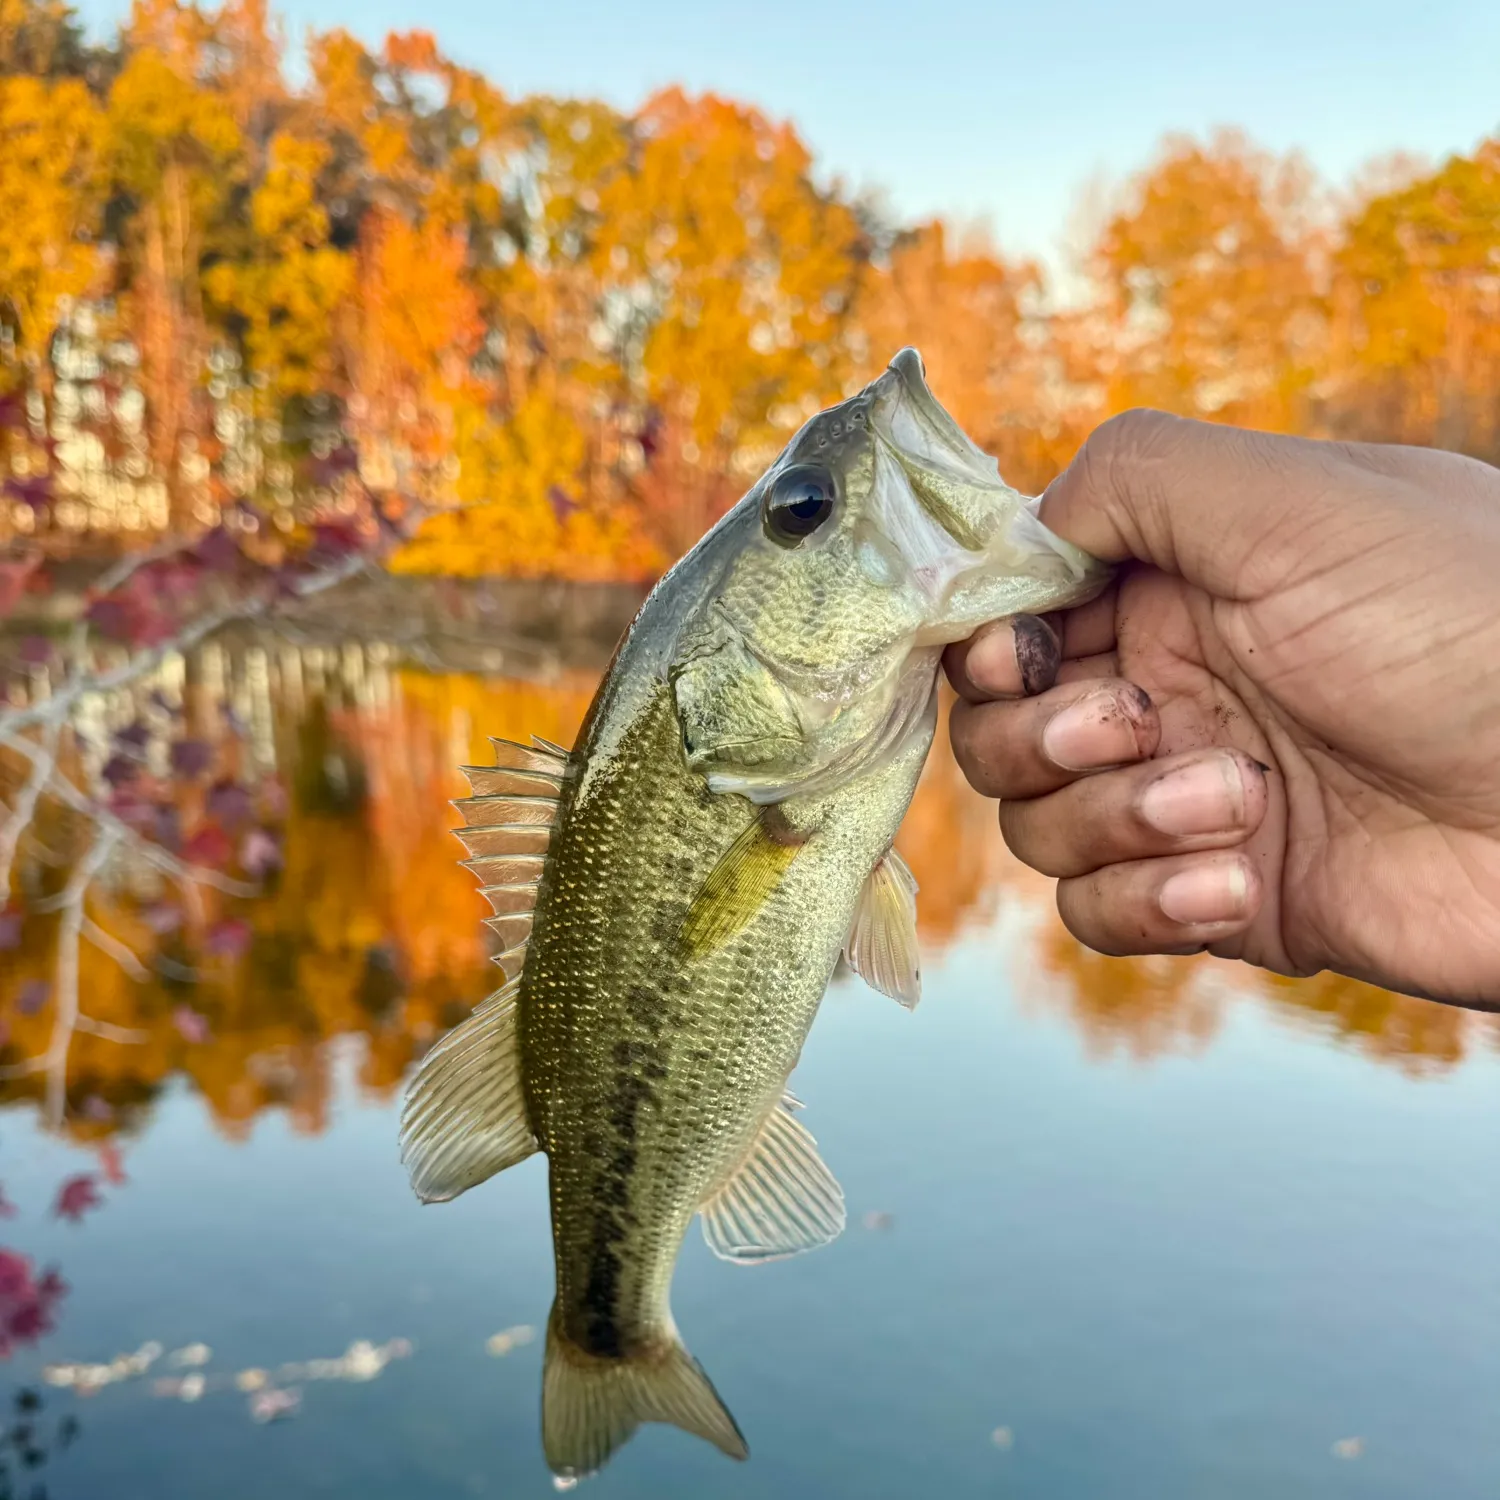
1008,114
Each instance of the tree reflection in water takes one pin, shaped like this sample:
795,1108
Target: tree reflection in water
366,926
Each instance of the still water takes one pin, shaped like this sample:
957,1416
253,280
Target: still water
1116,1229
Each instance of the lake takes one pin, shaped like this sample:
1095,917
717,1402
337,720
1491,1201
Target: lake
1123,1228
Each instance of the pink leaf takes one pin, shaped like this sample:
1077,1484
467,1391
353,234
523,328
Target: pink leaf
229,938
162,917
259,854
192,1027
32,996
10,929
190,757
229,803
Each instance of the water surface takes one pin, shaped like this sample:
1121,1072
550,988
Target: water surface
1125,1229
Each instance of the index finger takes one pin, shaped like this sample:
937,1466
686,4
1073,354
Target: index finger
1206,502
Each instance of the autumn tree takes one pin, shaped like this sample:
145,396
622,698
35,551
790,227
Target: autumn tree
727,276
1416,347
1209,299
174,152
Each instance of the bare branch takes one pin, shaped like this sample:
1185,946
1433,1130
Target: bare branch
107,942
43,763
59,786
60,704
131,564
125,1034
25,1069
65,998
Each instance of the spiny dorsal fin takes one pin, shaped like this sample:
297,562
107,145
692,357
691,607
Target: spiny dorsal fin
782,1199
507,827
882,943
464,1118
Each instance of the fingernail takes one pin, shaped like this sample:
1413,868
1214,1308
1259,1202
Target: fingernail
1206,893
1207,796
991,662
1038,653
1099,730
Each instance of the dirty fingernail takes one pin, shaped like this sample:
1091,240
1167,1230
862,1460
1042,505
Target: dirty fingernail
1207,796
1098,730
1206,893
1038,653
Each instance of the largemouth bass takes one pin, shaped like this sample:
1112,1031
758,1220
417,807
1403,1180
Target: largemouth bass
673,895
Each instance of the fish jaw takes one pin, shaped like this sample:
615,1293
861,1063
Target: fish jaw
974,548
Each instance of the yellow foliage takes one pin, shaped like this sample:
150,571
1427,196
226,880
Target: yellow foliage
50,136
290,290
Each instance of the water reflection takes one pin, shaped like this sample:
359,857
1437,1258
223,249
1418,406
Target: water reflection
366,926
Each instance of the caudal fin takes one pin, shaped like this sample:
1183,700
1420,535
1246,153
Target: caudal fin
591,1406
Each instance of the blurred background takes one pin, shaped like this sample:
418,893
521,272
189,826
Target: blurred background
356,381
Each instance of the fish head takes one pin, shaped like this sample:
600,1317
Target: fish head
880,534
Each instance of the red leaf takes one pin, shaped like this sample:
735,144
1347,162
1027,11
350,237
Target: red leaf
34,490
218,550
15,574
229,938
76,1197
208,846
111,1164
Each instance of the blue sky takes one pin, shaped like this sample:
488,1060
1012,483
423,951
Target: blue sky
1002,112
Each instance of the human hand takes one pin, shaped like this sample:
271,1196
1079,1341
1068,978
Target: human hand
1311,777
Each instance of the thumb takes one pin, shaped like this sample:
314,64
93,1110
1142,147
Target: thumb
1192,498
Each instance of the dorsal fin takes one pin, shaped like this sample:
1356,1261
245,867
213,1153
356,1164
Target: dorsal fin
507,827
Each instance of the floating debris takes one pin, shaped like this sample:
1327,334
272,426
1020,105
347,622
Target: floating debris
564,1482
877,1220
1349,1447
1003,1438
361,1361
275,1405
190,1356
508,1339
85,1379
251,1380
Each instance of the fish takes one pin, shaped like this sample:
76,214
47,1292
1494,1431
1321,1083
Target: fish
673,894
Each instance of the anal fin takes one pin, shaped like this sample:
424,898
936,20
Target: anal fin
882,944
781,1201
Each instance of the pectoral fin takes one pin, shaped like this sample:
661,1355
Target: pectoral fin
738,885
882,943
781,1201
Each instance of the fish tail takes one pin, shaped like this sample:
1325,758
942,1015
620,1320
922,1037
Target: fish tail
592,1405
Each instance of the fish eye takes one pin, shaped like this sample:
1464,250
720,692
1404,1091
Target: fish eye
800,501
